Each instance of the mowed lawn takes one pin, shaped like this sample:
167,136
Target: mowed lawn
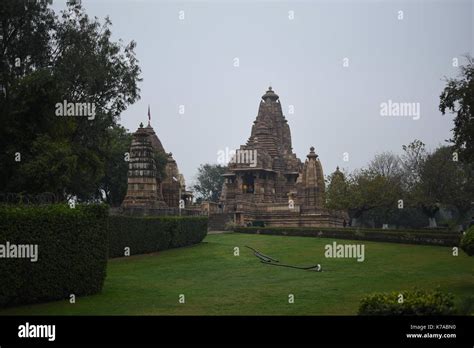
215,282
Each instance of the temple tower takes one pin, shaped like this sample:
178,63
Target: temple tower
143,190
277,188
272,173
311,186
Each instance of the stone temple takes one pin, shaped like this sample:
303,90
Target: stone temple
146,192
267,182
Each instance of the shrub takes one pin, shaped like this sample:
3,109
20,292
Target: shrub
378,235
72,252
467,241
231,226
149,234
258,223
415,302
466,306
190,230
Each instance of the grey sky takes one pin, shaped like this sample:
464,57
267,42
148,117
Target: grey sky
190,62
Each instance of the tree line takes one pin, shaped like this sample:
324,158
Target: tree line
407,190
411,189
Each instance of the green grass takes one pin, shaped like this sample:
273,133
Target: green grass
215,282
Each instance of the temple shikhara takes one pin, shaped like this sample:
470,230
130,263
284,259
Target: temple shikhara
267,182
147,193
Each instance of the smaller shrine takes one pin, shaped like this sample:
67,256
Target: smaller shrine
147,192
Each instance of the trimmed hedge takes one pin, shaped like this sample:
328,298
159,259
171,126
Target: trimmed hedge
467,241
378,235
415,302
72,252
149,234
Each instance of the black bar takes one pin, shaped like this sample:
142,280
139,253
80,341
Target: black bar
242,329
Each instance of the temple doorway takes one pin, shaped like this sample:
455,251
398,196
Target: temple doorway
248,183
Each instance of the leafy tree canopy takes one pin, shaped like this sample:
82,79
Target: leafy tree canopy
458,98
48,59
209,181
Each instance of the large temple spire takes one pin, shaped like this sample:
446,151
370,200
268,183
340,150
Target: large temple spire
278,189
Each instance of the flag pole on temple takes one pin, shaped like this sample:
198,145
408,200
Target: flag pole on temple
149,115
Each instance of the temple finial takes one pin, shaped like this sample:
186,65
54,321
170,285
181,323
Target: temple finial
312,154
149,116
270,94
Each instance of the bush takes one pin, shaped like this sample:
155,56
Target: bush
72,252
466,306
258,223
231,226
190,230
415,302
149,234
467,241
372,234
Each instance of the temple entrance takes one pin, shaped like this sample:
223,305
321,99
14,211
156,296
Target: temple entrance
239,218
248,183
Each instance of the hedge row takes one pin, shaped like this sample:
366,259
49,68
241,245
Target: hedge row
467,241
411,302
362,229
394,236
71,246
149,234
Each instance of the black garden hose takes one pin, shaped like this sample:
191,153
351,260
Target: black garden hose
262,256
271,261
316,268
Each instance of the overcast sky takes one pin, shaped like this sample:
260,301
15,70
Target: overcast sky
300,48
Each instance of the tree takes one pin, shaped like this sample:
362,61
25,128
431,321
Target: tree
376,190
337,191
462,196
209,181
114,182
70,58
408,217
368,191
25,48
386,164
443,181
43,170
411,161
458,98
